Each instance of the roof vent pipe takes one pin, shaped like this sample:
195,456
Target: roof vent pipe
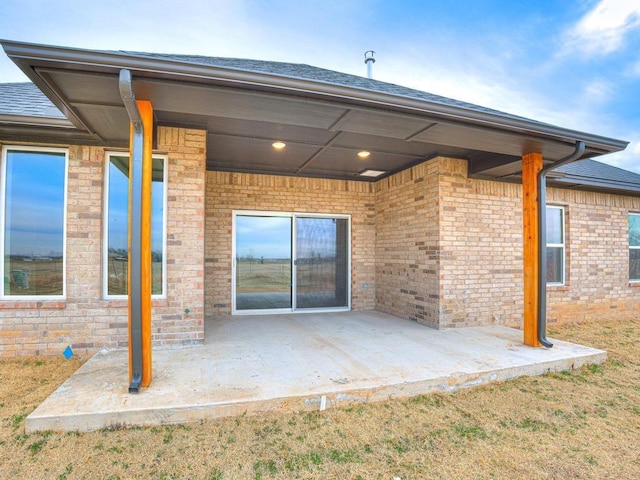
369,60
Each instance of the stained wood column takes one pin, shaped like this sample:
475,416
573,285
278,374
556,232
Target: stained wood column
141,224
531,165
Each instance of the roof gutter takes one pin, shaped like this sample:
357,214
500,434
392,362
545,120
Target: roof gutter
135,250
33,121
542,240
25,55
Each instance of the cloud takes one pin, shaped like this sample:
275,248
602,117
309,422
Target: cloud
603,29
628,159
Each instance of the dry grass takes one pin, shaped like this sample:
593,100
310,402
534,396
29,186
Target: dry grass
583,424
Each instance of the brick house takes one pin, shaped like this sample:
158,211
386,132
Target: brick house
289,188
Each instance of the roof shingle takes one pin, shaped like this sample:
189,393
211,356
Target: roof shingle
308,72
591,169
25,99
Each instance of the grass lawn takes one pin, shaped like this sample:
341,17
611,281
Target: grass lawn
583,424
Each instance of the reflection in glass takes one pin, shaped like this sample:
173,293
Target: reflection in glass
554,264
634,264
634,246
34,223
554,225
118,225
263,262
321,262
634,230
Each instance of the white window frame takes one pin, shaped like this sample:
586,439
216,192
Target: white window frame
560,245
3,186
293,216
105,230
634,214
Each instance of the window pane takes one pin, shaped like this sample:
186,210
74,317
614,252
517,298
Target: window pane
263,262
34,223
634,264
322,254
554,264
554,225
118,226
634,230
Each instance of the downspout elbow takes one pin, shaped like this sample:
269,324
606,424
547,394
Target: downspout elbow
542,240
125,85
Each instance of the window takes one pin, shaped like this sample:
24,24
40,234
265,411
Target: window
33,222
634,247
116,232
555,245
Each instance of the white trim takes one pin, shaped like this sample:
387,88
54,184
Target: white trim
105,230
632,247
293,216
26,148
560,245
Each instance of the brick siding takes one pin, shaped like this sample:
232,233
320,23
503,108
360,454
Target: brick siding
481,273
85,320
597,250
408,245
431,244
237,191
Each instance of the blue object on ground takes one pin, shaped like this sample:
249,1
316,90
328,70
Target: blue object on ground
68,353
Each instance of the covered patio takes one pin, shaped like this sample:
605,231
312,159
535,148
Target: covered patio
297,362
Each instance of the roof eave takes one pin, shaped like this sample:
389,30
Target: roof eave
37,121
596,183
26,54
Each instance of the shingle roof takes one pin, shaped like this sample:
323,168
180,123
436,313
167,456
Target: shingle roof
591,171
308,72
25,99
592,168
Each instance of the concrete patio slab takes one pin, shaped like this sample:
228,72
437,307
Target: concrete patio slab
253,364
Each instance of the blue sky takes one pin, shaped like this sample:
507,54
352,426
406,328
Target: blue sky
35,204
573,63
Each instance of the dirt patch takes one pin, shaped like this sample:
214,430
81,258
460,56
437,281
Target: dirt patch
583,424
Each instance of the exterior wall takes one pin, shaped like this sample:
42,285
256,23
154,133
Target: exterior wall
597,250
408,245
481,275
481,272
86,321
431,244
236,191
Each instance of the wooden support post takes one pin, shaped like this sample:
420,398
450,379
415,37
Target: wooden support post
531,165
146,113
144,222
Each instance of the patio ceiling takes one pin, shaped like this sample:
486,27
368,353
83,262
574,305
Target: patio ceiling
323,124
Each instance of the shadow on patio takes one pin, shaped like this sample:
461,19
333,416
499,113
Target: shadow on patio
251,364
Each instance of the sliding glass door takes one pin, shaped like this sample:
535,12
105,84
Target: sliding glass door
287,262
263,262
321,264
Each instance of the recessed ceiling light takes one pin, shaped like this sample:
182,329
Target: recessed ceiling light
371,173
363,154
278,145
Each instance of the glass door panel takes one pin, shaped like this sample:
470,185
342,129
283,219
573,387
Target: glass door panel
321,266
263,262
